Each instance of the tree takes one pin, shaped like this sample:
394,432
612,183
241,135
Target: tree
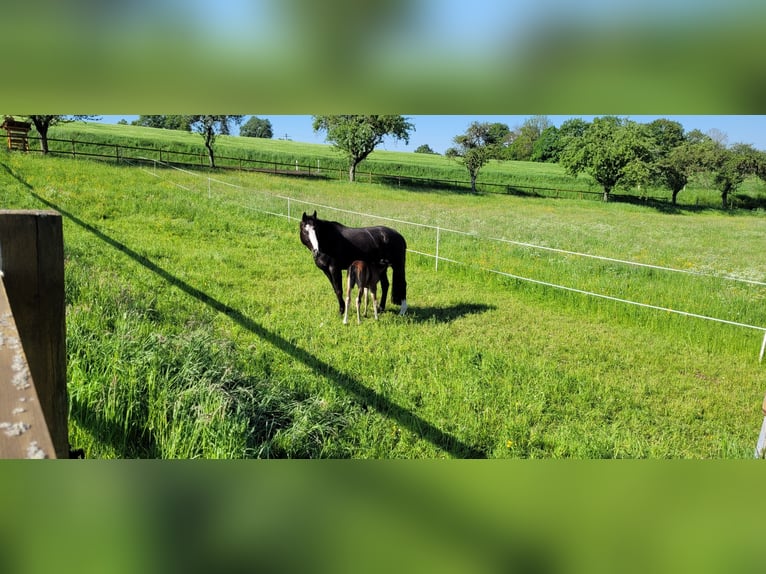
209,127
571,128
546,147
666,135
168,122
358,136
474,149
612,150
674,169
731,165
425,148
44,123
498,138
673,157
257,128
525,137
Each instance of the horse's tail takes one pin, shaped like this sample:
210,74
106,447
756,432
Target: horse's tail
399,279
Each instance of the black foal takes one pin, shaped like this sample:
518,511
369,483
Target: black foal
366,277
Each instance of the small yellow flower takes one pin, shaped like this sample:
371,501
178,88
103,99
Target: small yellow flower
508,443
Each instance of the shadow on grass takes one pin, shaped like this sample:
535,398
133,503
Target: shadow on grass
449,313
367,397
15,176
129,443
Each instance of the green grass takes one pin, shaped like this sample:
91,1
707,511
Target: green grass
198,326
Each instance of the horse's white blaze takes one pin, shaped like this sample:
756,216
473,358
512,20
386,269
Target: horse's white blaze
403,308
312,237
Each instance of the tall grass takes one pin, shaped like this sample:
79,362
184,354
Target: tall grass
199,326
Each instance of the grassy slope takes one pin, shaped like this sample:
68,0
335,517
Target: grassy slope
506,173
202,328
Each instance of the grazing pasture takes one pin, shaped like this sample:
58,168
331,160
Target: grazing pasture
199,326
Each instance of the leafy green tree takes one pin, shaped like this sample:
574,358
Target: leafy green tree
257,128
673,158
666,135
525,137
546,148
474,149
612,150
730,166
559,138
357,136
676,158
573,127
168,122
425,148
43,124
674,169
209,127
760,165
498,137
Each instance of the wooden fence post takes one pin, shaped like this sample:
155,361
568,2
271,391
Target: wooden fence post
32,262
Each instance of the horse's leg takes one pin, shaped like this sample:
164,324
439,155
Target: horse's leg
335,275
399,291
374,290
337,285
358,302
349,286
384,291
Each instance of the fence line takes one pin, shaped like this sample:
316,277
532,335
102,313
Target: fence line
283,168
438,257
439,229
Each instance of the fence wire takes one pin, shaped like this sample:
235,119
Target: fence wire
290,202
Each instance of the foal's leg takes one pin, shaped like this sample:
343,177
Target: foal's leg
374,290
358,302
349,287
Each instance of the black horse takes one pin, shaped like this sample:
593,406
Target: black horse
336,246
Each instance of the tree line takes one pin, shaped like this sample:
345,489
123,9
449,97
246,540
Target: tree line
616,152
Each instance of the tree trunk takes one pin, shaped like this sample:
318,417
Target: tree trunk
210,154
473,182
352,172
675,196
44,140
725,198
607,190
42,129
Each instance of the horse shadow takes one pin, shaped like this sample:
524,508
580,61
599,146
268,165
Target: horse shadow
447,314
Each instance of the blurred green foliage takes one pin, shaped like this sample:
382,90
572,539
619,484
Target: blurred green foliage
401,57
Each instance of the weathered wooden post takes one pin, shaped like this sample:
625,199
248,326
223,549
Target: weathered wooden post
32,263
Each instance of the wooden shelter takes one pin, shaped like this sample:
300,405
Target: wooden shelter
17,133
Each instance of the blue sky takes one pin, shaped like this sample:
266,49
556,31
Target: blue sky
438,130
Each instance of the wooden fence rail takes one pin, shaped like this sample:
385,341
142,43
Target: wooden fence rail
33,395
